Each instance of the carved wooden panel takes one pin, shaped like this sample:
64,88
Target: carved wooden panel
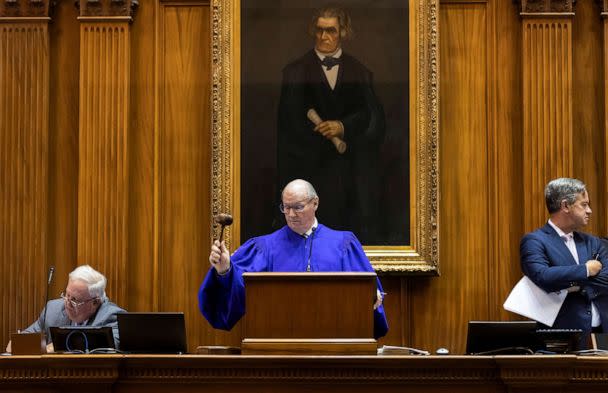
547,110
107,8
24,133
25,8
103,141
547,6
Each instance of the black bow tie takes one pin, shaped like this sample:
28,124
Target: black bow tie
329,62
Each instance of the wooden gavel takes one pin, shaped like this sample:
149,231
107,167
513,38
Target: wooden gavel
224,220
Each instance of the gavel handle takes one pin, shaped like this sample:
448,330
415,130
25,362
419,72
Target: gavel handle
222,233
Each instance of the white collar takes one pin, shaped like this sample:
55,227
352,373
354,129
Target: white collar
336,54
559,231
311,229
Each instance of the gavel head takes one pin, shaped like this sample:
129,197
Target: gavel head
223,219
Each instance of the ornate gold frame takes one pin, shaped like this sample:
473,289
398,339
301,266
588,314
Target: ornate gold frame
422,255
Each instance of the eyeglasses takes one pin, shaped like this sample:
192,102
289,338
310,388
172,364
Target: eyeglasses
296,207
74,303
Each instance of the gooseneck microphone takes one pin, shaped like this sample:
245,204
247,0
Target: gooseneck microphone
312,237
46,302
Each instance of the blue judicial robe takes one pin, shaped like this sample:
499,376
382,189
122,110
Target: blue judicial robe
222,298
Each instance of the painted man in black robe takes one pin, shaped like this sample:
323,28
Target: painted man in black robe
339,90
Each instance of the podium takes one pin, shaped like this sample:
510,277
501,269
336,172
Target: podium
309,313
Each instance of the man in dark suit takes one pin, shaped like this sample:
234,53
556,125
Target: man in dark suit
84,303
558,256
339,89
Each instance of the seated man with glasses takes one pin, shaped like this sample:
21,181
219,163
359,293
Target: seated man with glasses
83,303
302,245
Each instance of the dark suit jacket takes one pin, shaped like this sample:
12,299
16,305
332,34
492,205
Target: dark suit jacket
345,183
56,316
546,260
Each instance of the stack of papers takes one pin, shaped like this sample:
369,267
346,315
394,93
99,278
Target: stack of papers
393,350
529,300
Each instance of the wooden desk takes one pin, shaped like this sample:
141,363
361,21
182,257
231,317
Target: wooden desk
352,374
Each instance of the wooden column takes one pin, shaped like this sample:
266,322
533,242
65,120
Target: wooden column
547,100
103,140
24,139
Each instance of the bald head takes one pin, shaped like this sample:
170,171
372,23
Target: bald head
300,187
300,202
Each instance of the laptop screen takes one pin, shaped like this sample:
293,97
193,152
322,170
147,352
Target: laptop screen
152,332
82,338
504,337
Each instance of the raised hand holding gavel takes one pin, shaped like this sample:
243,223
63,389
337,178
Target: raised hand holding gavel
219,256
224,220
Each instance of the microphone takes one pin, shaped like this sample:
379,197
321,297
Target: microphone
50,279
316,119
48,286
312,237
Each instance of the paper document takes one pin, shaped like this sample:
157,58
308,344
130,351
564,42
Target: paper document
393,350
529,300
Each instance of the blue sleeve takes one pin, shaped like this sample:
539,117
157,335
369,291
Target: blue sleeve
355,260
221,299
537,265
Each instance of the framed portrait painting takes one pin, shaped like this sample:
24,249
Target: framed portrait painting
344,95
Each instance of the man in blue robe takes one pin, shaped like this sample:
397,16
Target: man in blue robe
290,249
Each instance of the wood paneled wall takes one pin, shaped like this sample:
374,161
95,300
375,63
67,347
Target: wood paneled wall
24,140
105,157
103,149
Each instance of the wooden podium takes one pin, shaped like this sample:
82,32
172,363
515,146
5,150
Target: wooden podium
309,313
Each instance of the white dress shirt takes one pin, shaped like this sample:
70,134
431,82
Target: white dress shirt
331,75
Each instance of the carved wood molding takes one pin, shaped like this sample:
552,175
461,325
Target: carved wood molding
544,373
334,369
536,7
107,8
40,369
25,8
553,370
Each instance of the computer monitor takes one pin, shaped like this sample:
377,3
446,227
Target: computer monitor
502,337
152,332
87,339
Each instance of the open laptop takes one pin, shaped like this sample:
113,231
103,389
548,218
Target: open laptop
502,337
87,339
152,332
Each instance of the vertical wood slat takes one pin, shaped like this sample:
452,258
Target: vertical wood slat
183,158
103,131
24,138
547,106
